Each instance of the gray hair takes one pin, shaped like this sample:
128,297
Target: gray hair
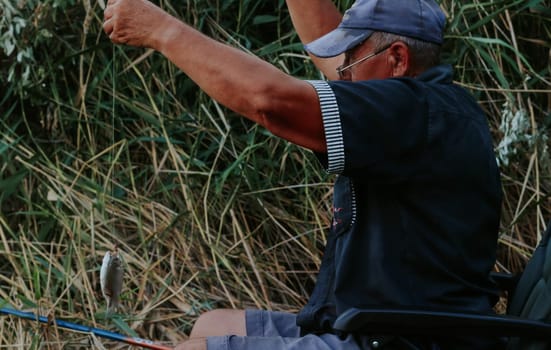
424,54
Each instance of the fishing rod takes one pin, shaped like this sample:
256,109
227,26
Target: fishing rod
144,343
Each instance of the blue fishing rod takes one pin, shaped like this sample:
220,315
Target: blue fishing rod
144,343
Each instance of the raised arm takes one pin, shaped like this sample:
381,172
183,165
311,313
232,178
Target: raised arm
286,106
312,19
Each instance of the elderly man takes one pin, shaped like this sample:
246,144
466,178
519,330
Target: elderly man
417,199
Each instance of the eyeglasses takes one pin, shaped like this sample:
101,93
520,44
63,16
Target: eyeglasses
341,70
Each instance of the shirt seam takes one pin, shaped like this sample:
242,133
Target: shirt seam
332,126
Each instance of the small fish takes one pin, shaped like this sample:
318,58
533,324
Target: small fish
111,279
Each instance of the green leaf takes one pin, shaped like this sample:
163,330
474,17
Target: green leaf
124,327
262,19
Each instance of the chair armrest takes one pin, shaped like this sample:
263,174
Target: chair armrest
398,321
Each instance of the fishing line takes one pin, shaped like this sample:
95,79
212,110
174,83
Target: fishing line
111,272
112,152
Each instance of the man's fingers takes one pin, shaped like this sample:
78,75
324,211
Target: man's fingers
109,19
107,13
108,27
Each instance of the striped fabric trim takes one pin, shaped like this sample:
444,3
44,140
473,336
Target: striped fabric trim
332,126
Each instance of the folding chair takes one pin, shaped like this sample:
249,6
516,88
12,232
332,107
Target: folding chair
526,325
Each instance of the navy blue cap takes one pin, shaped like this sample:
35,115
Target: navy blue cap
419,19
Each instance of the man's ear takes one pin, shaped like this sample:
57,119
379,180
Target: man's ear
400,59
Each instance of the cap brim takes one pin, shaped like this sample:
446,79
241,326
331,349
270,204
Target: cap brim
337,41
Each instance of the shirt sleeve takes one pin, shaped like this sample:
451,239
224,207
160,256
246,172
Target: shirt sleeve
374,128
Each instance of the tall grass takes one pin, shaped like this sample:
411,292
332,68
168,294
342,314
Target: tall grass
106,146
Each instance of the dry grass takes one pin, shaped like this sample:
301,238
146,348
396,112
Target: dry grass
106,147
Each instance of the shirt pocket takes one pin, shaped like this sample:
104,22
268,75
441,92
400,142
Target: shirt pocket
344,206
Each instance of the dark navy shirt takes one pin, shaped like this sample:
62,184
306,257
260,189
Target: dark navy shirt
416,202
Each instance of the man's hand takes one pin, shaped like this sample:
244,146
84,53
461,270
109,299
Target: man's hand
135,22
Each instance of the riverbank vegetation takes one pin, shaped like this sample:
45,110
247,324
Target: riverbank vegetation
105,147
